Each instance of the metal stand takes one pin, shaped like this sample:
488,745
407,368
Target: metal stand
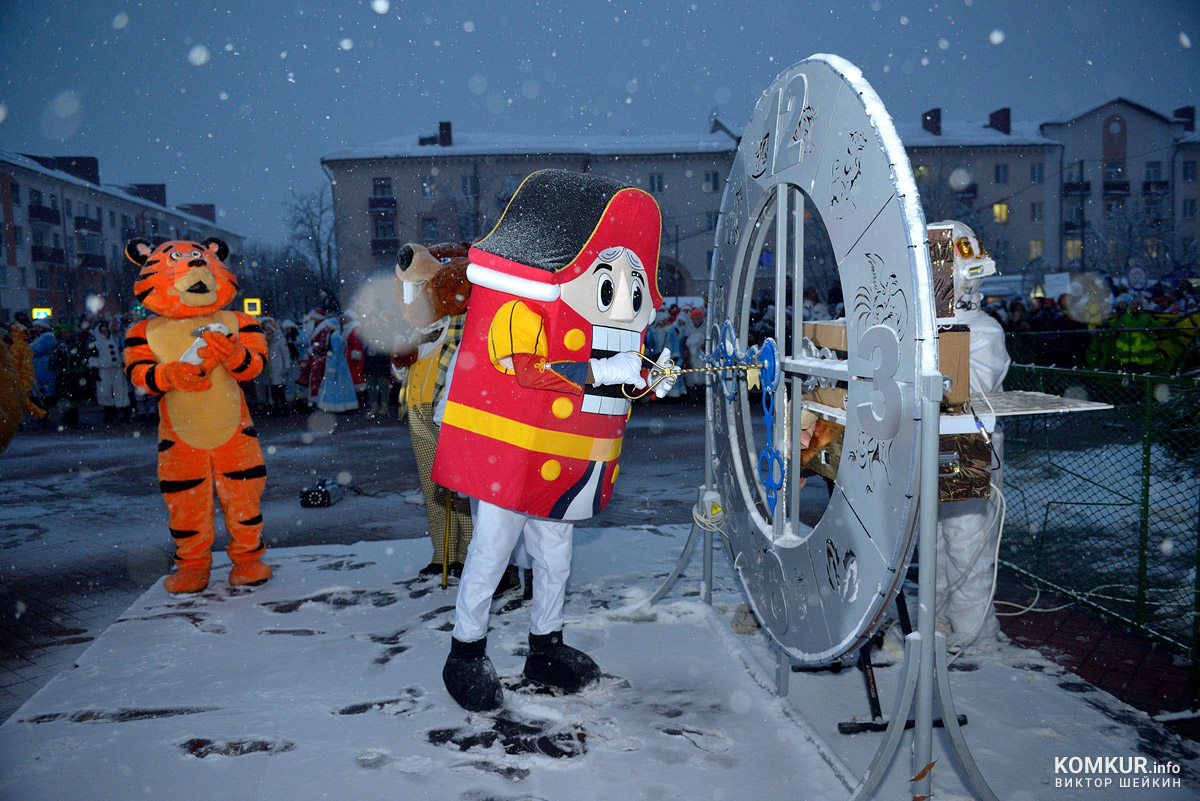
707,513
925,669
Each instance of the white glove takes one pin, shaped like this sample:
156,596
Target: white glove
624,368
660,369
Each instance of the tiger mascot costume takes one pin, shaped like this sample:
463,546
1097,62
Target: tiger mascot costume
205,435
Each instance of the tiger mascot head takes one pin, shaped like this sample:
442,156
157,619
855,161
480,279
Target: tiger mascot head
182,279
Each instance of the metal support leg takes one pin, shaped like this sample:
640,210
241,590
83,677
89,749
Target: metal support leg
925,670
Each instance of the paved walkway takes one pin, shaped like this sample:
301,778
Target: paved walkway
1130,666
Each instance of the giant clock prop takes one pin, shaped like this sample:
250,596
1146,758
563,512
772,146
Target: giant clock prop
820,143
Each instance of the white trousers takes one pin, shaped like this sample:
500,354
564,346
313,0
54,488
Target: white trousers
969,532
497,530
111,387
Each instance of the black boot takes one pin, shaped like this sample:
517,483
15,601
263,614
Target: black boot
470,677
528,594
510,580
555,664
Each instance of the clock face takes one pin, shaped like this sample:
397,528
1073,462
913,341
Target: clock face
820,167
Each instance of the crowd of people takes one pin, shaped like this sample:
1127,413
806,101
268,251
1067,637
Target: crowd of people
322,362
1145,332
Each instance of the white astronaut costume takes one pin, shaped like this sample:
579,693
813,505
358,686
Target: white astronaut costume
969,530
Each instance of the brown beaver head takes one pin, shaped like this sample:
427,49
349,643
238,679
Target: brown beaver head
431,282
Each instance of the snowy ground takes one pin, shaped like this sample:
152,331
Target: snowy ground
326,683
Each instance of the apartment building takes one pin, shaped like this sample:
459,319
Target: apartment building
455,186
1108,189
64,234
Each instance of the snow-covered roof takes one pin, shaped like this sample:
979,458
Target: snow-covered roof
467,143
1113,102
26,163
963,134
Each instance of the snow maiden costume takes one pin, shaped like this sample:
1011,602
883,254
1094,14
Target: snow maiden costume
562,290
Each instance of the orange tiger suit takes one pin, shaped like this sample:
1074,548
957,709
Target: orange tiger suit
205,436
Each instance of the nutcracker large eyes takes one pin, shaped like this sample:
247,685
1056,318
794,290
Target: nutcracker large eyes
637,298
604,292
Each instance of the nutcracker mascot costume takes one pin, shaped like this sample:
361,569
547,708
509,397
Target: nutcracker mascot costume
193,354
562,290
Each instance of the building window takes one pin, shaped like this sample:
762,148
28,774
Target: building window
999,213
35,197
43,279
112,219
23,274
385,228
1113,205
67,206
921,173
125,224
1154,207
1036,248
1037,173
1189,208
3,275
1036,209
1074,249
710,220
1153,170
54,202
18,235
1152,246
1073,172
1001,174
428,186
381,187
1114,170
656,182
470,185
15,191
712,181
1189,171
511,184
431,230
38,237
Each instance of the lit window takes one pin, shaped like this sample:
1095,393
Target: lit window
1037,173
921,172
428,186
1036,248
1152,246
1000,213
1074,249
1001,174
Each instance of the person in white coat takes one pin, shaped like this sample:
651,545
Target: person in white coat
969,530
105,358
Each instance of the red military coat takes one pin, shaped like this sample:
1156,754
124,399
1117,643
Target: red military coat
548,451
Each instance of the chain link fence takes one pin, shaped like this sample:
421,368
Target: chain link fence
1104,506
